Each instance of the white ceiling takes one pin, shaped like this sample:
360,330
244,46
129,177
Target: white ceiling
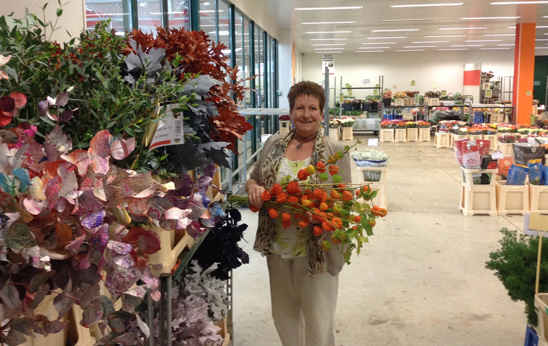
375,13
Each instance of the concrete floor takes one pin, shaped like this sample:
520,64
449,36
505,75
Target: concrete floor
420,281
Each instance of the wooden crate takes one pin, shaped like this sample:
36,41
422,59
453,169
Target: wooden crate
400,135
512,199
538,198
424,134
507,149
386,135
412,134
492,141
335,134
347,134
443,140
478,199
458,138
285,126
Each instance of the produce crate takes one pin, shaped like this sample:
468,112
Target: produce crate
443,140
285,126
386,135
335,134
424,134
512,199
478,199
541,305
412,134
492,141
400,135
538,198
507,149
347,134
458,138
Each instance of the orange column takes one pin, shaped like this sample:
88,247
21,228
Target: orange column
524,72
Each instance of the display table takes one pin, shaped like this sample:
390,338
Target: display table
425,134
412,134
512,199
476,198
443,140
386,135
400,135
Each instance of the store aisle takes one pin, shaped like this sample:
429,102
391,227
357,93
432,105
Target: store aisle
422,279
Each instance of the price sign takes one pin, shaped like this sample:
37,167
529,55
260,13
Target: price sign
170,130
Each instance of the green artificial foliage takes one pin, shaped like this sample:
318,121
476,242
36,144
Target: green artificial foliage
514,263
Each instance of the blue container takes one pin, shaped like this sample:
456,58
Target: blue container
479,118
531,337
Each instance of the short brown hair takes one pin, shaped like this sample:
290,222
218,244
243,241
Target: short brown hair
306,88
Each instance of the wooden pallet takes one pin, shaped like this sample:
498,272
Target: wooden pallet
412,134
538,198
512,199
386,135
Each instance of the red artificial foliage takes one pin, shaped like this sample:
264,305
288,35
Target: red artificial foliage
199,55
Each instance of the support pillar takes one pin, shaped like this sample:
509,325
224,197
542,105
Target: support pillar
471,81
524,72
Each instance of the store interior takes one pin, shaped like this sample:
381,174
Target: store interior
131,129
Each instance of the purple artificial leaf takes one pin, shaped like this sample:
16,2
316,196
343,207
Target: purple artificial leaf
99,165
79,158
88,203
9,295
70,182
120,148
127,339
204,182
99,237
120,281
54,327
57,143
125,261
93,312
100,144
62,99
15,338
22,325
66,116
43,107
52,191
210,170
93,220
34,207
184,185
63,303
75,245
119,248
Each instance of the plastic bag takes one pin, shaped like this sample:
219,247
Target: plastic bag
523,153
535,173
517,175
504,165
471,159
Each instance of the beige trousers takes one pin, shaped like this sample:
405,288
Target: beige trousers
303,305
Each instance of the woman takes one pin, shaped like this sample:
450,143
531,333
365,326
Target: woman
303,277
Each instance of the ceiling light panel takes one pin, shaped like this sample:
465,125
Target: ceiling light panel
423,42
332,8
466,45
490,18
395,30
452,49
369,51
405,20
382,47
370,43
477,41
327,23
440,4
495,48
413,47
500,35
328,44
328,48
328,39
502,3
467,28
386,38
329,32
444,36
410,50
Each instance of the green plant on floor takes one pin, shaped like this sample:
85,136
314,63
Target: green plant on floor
514,263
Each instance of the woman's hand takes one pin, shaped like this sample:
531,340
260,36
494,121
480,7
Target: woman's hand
255,193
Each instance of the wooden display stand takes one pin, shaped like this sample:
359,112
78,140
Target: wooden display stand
475,137
538,198
386,135
507,149
458,138
424,134
412,134
492,141
478,199
399,101
47,309
347,134
430,101
443,140
379,186
400,135
512,199
334,134
285,126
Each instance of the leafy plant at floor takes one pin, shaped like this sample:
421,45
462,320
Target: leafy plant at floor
514,263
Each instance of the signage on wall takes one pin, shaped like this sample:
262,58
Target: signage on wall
413,83
330,64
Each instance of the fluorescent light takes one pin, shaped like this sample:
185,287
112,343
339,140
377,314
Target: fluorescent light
476,41
488,18
466,45
328,8
443,4
541,47
495,48
467,28
542,39
499,3
423,42
329,44
410,50
405,20
328,39
542,26
322,23
329,48
444,36
328,32
382,47
386,37
506,45
500,35
413,47
452,49
394,30
378,43
369,51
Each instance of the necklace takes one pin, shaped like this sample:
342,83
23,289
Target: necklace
301,141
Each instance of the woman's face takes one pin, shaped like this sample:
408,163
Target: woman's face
306,115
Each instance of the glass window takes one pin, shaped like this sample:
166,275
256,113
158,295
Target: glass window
208,18
179,14
149,14
246,65
118,11
273,72
259,67
224,26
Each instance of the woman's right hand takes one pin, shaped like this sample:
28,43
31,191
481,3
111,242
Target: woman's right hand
255,193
